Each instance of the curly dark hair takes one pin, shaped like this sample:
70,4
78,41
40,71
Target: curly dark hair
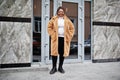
60,8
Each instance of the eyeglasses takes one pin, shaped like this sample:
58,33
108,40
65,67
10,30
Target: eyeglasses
60,11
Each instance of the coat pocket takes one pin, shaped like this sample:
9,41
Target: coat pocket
68,37
53,36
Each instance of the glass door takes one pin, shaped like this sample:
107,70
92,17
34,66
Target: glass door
36,31
75,11
87,31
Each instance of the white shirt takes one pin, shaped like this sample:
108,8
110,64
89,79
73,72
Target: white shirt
60,27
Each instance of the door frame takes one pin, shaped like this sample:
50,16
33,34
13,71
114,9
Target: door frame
44,34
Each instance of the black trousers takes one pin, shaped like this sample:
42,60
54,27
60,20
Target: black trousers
61,46
60,51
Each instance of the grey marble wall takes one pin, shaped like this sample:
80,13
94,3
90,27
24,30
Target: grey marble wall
15,42
107,10
15,37
106,38
16,8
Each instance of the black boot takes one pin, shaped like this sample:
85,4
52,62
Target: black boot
60,68
54,62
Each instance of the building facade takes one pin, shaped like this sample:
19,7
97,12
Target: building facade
23,31
106,29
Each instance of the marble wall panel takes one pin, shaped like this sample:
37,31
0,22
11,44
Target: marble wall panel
16,8
106,38
106,42
15,41
107,10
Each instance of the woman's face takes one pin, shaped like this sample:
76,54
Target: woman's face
60,13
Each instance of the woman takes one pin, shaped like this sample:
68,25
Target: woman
61,30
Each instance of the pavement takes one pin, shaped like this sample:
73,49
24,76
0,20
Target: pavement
73,71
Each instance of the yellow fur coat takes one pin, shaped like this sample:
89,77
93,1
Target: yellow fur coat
53,32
